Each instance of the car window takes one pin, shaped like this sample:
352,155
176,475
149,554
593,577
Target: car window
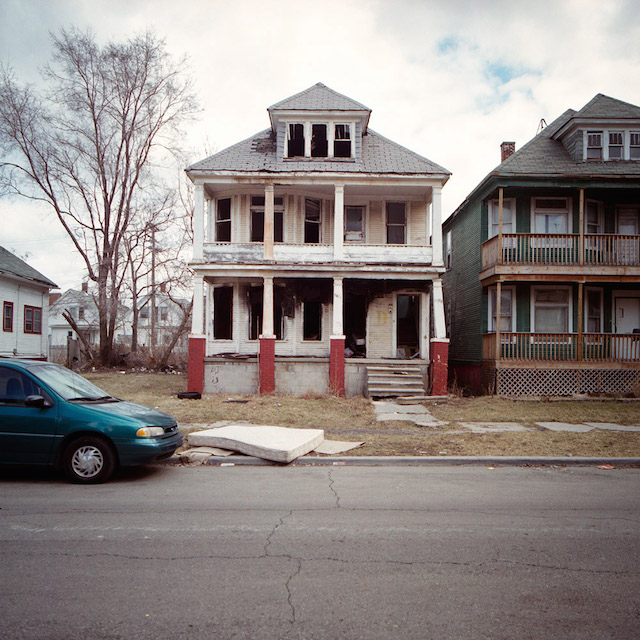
15,386
68,384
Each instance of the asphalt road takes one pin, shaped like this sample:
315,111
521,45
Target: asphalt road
331,552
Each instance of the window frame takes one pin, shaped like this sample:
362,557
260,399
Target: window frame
358,239
305,309
588,291
278,218
337,141
619,145
600,211
7,321
494,212
223,223
309,221
491,308
590,136
293,139
395,225
568,306
539,210
32,326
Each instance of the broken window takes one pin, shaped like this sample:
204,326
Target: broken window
319,143
354,224
396,223
257,219
312,320
223,313
295,140
342,141
311,221
223,220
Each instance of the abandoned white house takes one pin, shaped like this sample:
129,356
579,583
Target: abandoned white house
317,254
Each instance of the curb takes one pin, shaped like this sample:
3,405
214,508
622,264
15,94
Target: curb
417,461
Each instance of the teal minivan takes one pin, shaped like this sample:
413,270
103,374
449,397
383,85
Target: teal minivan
50,415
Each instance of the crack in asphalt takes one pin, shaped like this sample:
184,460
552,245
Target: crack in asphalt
332,488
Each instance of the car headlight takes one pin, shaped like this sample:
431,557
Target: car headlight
150,432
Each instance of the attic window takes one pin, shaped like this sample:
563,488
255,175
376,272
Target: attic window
342,141
616,142
594,145
295,140
634,147
319,143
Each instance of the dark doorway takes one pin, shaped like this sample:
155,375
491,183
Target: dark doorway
408,326
355,324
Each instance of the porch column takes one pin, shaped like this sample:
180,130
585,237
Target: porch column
500,212
580,345
436,226
198,222
338,223
266,357
581,229
337,340
197,339
498,319
268,223
439,349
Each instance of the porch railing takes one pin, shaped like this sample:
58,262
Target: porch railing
561,249
562,347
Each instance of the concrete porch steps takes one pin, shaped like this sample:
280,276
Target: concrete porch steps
391,381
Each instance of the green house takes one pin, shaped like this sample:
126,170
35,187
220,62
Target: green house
542,287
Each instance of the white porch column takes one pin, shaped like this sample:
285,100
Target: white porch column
267,308
436,225
268,222
198,223
197,318
338,224
337,330
439,325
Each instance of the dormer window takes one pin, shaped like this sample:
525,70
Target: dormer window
594,145
616,145
342,141
295,140
319,144
634,147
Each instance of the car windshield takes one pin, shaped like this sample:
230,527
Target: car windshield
68,384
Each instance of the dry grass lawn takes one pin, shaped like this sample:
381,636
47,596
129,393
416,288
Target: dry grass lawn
353,419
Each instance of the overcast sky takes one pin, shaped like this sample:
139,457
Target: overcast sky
449,80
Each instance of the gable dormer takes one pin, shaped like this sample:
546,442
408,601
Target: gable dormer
604,130
319,124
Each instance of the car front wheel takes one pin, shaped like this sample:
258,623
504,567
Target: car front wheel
89,460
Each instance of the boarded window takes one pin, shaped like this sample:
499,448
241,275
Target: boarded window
312,320
319,144
295,140
312,221
223,313
396,223
223,220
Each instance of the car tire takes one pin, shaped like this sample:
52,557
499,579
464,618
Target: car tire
89,460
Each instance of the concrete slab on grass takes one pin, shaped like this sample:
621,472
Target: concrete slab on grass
493,427
613,427
279,444
565,426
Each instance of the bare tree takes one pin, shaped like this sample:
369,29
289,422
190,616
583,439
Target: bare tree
88,143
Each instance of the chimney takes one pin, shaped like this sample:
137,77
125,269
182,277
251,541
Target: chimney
506,149
53,297
85,287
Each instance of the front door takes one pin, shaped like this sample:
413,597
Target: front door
408,326
628,322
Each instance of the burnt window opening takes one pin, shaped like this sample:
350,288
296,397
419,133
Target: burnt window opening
312,320
342,141
255,313
223,220
396,223
223,313
319,142
257,219
312,221
295,140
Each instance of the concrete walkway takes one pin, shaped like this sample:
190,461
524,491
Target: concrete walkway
421,416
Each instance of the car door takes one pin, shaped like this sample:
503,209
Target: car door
26,433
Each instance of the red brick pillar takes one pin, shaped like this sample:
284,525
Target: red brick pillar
195,376
439,366
336,367
266,365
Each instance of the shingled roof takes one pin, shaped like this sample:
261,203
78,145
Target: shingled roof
11,265
319,97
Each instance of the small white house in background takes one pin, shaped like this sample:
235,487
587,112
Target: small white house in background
83,310
24,293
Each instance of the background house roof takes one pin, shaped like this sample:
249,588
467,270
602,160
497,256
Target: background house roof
11,265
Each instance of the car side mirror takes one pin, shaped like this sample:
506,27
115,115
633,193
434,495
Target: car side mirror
37,401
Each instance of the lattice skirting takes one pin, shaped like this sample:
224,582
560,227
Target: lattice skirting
565,382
